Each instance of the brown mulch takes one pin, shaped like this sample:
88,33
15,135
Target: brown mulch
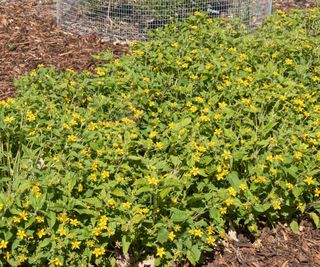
277,247
28,37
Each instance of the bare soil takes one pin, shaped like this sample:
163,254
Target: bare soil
29,36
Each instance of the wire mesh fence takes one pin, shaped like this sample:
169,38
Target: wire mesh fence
132,19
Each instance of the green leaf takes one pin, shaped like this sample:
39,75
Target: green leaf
261,208
164,192
315,219
125,244
294,227
233,179
193,255
175,160
118,192
163,235
179,215
51,219
94,202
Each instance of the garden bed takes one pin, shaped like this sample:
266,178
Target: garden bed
25,45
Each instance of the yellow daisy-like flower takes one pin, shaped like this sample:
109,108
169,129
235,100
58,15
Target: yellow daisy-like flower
309,181
289,185
3,244
160,252
195,171
232,191
41,233
276,205
243,186
21,234
30,116
198,232
56,262
9,119
229,201
171,236
298,155
74,222
152,181
99,251
211,240
75,244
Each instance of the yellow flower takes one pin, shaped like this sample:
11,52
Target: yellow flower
3,244
40,219
289,185
195,171
9,119
317,192
193,108
229,201
232,191
223,210
270,158
153,134
90,243
99,251
62,231
276,205
30,116
75,244
198,233
80,188
21,234
41,233
74,222
152,181
218,131
211,240
22,258
126,205
172,235
1,206
243,186
56,262
298,155
226,154
93,177
309,181
288,61
71,138
112,203
199,99
175,45
160,252
222,104
23,215
159,145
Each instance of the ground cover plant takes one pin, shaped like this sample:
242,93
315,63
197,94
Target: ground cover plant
212,128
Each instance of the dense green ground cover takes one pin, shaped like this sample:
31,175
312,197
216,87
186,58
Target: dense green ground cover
159,152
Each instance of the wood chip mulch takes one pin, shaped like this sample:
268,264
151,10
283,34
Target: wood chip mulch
277,247
28,37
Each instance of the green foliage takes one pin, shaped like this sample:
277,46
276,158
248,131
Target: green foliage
158,152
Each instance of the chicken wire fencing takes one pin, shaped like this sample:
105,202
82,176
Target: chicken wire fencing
128,20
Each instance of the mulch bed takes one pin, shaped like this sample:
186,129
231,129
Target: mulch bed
28,37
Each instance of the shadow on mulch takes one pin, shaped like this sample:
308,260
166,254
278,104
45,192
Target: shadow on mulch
28,37
278,247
